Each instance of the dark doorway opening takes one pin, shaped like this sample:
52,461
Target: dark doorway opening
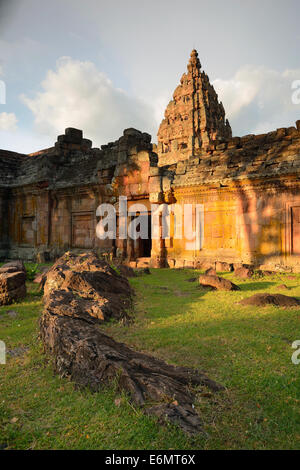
145,245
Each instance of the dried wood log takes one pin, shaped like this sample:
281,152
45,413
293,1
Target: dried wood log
70,330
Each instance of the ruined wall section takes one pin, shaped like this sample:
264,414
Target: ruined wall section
249,188
135,176
251,157
9,165
55,194
193,119
125,168
4,241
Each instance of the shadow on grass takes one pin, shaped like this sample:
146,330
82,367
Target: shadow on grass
253,286
32,297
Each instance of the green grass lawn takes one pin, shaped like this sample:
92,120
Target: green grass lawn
246,349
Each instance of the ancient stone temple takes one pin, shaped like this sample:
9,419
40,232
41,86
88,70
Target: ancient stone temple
193,119
247,189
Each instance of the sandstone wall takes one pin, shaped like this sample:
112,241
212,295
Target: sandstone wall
9,165
244,224
4,242
54,193
249,188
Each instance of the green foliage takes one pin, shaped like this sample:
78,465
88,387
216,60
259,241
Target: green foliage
246,349
115,268
31,271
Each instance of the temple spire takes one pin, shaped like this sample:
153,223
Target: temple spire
194,62
194,118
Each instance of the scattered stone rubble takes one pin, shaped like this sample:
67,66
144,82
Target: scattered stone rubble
217,283
279,300
283,287
224,267
210,272
244,272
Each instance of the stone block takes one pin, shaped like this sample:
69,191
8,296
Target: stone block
189,264
146,137
154,184
179,264
181,168
222,266
292,131
87,143
73,135
154,171
131,132
12,287
280,133
14,266
132,264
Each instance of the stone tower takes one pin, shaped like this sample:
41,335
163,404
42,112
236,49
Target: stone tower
193,119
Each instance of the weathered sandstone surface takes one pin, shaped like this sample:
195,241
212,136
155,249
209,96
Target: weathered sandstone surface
279,300
217,283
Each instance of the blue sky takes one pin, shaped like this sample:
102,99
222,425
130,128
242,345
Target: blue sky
104,66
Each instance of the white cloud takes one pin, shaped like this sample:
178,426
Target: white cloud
159,104
258,99
8,121
23,141
78,95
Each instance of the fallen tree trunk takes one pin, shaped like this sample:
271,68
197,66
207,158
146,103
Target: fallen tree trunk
94,281
70,331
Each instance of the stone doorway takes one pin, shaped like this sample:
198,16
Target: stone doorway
141,247
145,245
